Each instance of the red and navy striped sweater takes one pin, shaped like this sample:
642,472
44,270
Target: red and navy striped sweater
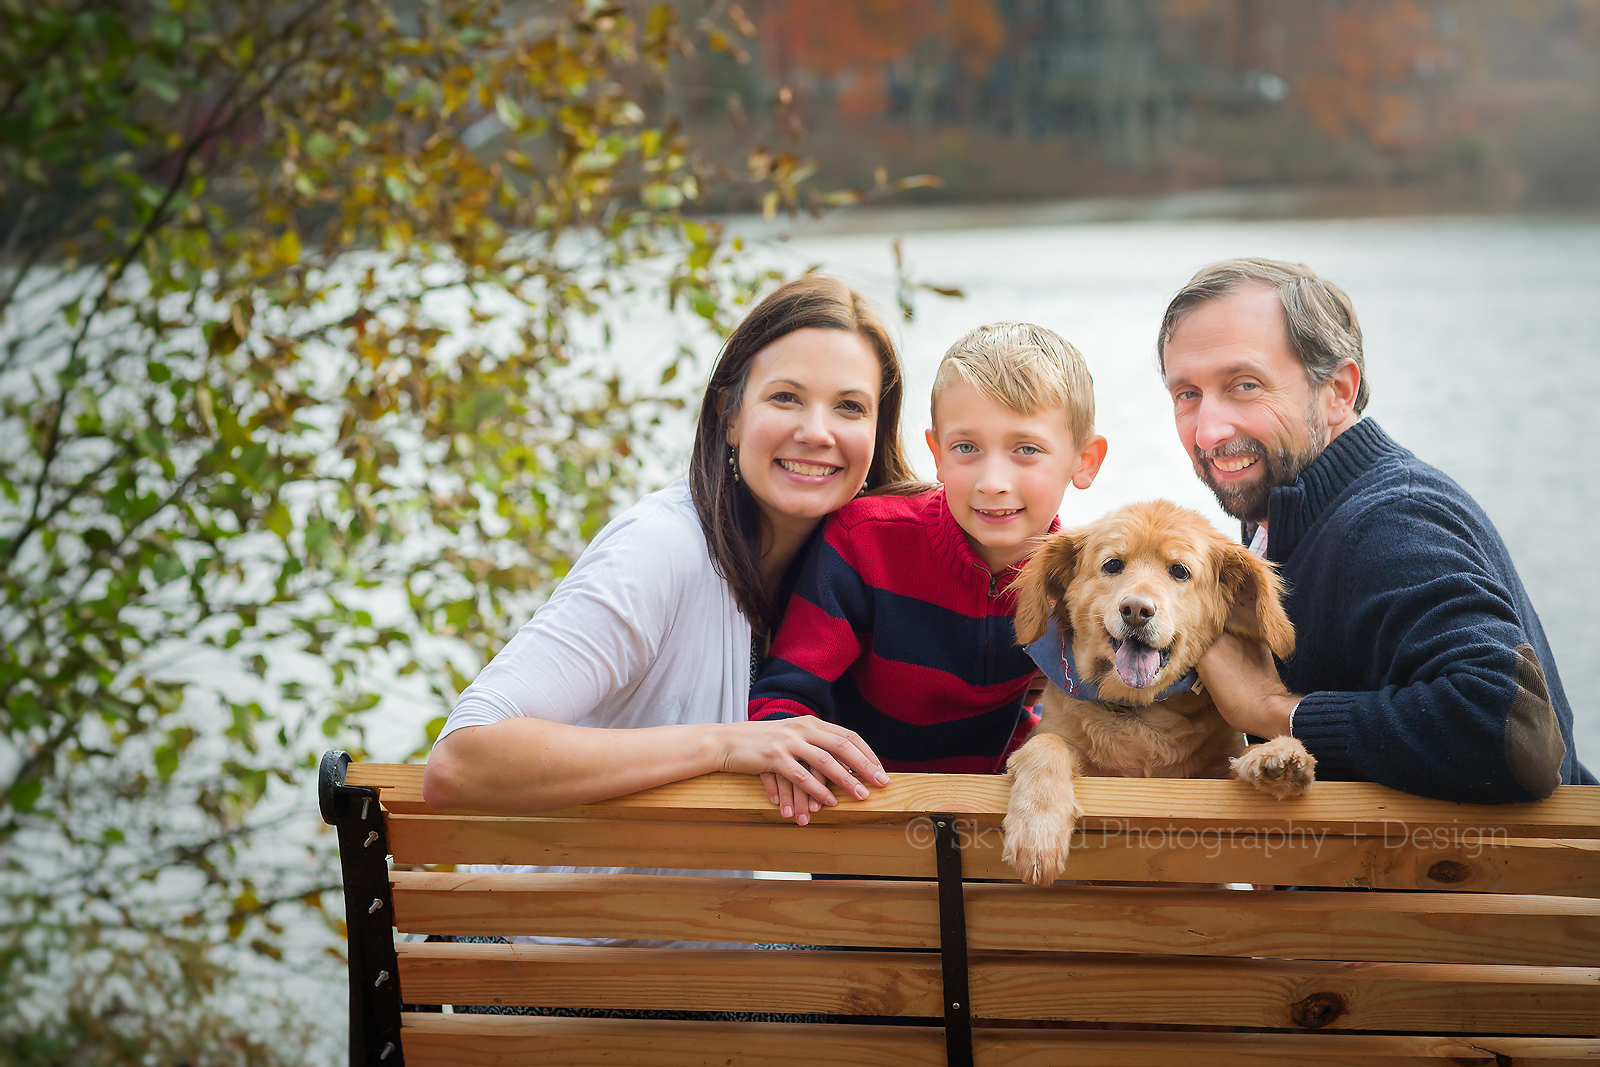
898,631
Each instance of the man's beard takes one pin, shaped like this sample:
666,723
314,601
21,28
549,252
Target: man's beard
1248,501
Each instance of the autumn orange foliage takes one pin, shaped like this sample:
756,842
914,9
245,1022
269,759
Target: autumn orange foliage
1360,74
861,39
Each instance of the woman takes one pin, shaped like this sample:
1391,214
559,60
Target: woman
637,671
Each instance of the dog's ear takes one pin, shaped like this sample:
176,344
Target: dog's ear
1044,579
1256,593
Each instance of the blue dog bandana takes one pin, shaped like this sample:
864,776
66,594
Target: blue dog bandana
1053,655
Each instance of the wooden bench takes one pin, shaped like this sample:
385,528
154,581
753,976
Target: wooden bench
1492,957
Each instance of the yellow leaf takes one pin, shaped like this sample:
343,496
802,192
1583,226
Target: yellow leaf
288,250
659,20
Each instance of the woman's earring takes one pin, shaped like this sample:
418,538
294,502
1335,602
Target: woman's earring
733,462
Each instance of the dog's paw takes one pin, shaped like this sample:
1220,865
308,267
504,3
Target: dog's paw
1281,767
1036,844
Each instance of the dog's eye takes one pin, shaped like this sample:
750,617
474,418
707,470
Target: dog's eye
1111,566
1179,572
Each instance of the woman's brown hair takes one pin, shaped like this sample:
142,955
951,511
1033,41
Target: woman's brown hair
729,515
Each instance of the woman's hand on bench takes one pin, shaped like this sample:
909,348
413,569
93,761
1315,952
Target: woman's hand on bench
797,758
781,792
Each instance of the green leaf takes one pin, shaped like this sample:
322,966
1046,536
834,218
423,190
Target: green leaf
151,441
509,112
26,793
277,519
25,711
319,535
160,84
662,196
479,405
704,305
166,569
167,757
168,29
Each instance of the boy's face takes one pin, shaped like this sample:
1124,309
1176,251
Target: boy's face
1004,473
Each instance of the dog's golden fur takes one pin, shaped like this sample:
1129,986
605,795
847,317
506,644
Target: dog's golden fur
1173,585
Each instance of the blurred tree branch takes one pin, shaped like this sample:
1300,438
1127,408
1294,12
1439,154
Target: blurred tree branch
302,312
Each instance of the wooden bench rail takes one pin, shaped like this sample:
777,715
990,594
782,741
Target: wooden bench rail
1113,804
1493,957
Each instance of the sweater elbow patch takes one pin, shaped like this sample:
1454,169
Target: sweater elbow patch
1534,749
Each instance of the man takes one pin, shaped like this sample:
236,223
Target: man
1420,661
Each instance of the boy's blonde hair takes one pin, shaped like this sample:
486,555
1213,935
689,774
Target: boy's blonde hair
1023,367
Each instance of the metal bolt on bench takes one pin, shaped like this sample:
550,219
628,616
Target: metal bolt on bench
374,1000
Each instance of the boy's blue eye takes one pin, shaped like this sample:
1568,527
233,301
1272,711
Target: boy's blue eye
1030,450
965,448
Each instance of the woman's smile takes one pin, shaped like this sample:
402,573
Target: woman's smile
810,470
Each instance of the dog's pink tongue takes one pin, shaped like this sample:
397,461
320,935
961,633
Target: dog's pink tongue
1137,664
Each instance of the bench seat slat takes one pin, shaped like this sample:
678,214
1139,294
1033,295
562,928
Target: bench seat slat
1517,866
525,1041
472,1040
1419,997
1240,992
1118,804
1408,927
850,983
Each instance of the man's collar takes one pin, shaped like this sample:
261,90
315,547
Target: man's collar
1295,508
1053,655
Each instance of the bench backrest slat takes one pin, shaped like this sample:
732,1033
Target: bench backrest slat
1508,865
1154,990
1423,927
852,983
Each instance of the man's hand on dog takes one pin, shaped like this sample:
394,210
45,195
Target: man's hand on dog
797,758
1243,681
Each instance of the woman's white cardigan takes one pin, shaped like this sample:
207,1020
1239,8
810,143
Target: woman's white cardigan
641,632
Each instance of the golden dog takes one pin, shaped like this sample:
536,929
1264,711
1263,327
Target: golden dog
1118,613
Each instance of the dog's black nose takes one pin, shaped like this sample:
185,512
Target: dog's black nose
1138,610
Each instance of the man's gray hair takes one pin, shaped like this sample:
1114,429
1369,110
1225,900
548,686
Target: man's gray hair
1323,330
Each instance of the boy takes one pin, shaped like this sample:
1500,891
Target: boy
900,623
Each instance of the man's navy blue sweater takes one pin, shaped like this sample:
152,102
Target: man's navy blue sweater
1423,663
